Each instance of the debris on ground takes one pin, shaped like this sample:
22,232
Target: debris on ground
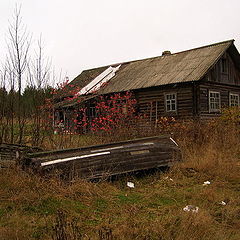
168,178
206,183
10,154
191,208
130,184
223,203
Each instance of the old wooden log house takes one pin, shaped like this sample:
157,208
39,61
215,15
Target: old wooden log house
196,83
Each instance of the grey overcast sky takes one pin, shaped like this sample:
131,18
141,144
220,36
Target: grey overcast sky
83,34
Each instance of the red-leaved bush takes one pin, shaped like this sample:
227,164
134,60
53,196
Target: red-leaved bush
115,111
108,112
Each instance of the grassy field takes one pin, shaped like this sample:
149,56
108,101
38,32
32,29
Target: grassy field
36,208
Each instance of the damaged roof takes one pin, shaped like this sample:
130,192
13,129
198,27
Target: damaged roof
186,66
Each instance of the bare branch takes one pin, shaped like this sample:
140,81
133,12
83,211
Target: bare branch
18,46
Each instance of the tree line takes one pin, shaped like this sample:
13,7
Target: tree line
26,77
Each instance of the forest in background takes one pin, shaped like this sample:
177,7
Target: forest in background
27,78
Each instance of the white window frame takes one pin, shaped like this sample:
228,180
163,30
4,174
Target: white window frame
170,102
234,95
212,110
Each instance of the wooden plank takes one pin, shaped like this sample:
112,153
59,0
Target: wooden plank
10,153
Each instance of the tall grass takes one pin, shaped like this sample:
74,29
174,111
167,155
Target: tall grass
38,208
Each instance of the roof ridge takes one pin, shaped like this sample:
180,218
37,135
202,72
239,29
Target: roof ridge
205,46
192,49
148,58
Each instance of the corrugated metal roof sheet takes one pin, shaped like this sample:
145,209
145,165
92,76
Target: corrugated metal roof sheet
186,66
81,81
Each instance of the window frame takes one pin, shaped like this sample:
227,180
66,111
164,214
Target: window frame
166,102
234,94
224,66
92,112
214,110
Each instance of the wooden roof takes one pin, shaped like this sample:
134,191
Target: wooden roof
186,66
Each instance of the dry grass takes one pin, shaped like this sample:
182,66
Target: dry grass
49,209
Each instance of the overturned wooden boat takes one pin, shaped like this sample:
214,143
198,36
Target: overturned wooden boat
108,159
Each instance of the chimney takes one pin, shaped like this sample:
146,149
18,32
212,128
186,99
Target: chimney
166,53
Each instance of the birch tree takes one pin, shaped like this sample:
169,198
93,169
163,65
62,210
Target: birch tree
18,43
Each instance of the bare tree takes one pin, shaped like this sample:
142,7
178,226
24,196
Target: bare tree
39,68
39,74
18,43
2,104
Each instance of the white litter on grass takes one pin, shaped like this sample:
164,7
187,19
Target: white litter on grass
168,178
130,184
206,183
191,208
223,203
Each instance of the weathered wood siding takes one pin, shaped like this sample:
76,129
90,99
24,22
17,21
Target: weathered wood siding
203,97
224,81
152,101
231,75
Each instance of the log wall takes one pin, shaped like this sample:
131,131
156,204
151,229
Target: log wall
152,101
203,97
227,75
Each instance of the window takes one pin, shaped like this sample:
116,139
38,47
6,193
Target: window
92,112
59,119
214,101
224,65
171,102
233,100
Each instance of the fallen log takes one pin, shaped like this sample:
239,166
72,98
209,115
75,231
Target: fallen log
108,159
